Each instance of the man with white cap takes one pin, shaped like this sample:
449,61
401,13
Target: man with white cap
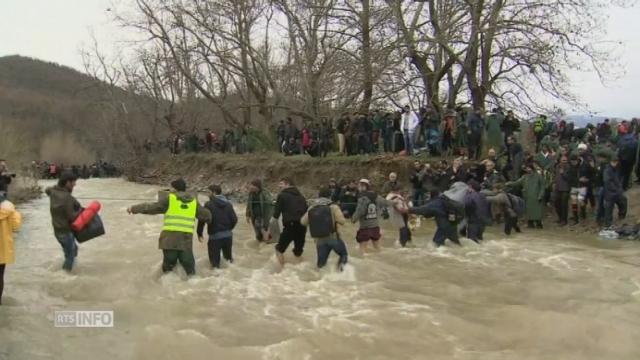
367,213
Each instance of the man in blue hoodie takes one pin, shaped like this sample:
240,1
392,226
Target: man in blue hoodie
223,220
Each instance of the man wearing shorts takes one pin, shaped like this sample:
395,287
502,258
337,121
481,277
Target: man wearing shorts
580,174
367,213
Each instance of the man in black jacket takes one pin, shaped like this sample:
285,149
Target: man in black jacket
223,220
613,192
292,205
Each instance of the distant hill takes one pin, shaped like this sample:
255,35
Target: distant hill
46,103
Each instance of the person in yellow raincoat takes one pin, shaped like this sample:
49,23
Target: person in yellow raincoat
10,221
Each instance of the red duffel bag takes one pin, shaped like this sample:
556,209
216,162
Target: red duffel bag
86,216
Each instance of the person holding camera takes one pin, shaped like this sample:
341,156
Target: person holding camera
5,178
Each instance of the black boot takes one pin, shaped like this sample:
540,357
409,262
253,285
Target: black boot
539,224
530,224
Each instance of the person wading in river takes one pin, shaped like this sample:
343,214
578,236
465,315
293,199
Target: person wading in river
223,220
10,221
292,205
324,220
259,210
367,213
180,211
64,210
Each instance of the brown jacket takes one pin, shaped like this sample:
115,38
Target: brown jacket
338,217
172,240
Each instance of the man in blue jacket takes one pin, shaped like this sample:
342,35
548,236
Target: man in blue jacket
220,228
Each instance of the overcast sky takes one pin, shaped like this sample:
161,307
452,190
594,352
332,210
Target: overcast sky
54,30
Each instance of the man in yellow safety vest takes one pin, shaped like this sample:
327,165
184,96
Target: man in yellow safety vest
180,211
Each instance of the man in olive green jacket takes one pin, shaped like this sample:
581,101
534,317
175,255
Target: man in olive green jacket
175,245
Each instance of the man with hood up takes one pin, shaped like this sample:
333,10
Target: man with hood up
324,220
291,204
223,220
180,210
367,213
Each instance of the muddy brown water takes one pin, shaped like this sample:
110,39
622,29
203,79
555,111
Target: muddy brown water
537,295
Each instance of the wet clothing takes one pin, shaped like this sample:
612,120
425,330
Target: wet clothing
223,218
69,247
504,204
445,229
333,242
292,231
290,204
64,209
223,221
173,240
369,210
398,218
478,213
217,246
170,259
259,210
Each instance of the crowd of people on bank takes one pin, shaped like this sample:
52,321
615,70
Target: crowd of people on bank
457,132
230,142
51,170
576,173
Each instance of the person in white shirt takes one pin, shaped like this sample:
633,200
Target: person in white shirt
409,125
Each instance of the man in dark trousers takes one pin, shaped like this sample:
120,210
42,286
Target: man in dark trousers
613,192
180,210
292,205
223,220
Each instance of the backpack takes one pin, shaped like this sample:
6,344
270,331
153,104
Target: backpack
517,203
321,223
455,210
538,125
372,211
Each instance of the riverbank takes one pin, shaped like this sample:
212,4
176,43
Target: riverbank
235,172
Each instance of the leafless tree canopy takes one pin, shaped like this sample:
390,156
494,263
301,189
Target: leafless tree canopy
315,58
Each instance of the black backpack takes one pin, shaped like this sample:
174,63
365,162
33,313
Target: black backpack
321,223
455,210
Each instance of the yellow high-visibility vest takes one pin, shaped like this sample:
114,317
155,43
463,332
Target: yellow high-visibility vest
180,216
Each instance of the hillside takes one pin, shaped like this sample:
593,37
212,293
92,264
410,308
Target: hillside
54,113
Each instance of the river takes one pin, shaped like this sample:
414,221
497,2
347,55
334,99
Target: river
537,295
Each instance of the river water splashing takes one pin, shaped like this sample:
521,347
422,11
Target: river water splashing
538,295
